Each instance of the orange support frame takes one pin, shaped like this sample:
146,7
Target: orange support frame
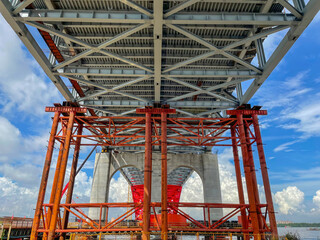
153,128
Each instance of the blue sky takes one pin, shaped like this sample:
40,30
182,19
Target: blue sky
291,131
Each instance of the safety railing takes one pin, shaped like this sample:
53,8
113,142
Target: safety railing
183,222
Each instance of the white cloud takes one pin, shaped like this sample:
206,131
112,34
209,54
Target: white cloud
9,140
229,189
295,106
289,200
22,82
16,200
316,199
192,191
82,188
283,94
118,191
285,146
305,118
25,174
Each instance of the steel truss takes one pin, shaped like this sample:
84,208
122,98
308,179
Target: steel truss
154,127
158,51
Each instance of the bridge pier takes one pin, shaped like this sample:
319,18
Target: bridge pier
205,165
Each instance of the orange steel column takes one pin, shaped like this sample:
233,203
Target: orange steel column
54,183
249,183
56,203
54,186
72,180
147,179
254,177
164,178
44,179
265,177
239,178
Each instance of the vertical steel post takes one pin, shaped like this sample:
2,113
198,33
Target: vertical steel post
247,172
265,177
238,177
54,186
254,177
44,179
164,178
56,203
71,180
147,178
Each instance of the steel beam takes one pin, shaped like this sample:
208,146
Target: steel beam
292,35
157,43
164,178
56,203
147,179
103,110
84,16
200,89
91,83
238,177
71,182
119,72
256,19
21,6
44,178
218,86
265,177
89,16
33,47
291,8
100,48
137,7
117,87
249,182
180,7
113,72
215,50
174,104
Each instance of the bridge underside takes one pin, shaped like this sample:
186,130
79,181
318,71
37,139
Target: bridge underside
194,55
120,55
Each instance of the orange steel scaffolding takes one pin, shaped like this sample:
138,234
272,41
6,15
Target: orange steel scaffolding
70,126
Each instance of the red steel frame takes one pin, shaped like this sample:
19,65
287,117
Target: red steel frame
152,127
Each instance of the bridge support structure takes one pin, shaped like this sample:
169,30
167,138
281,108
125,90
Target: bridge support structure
70,125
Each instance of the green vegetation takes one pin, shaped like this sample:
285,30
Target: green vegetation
299,225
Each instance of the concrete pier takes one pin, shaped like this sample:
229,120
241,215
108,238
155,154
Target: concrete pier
107,164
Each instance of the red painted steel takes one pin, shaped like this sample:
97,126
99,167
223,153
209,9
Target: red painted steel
63,167
153,110
113,131
147,178
71,182
244,219
248,176
66,109
164,178
173,195
265,177
247,112
45,175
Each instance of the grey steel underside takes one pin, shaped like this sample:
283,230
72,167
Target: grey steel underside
191,54
177,177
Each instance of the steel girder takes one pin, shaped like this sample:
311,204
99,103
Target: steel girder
136,56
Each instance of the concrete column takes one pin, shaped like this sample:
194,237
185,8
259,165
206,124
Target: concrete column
100,184
156,178
211,184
